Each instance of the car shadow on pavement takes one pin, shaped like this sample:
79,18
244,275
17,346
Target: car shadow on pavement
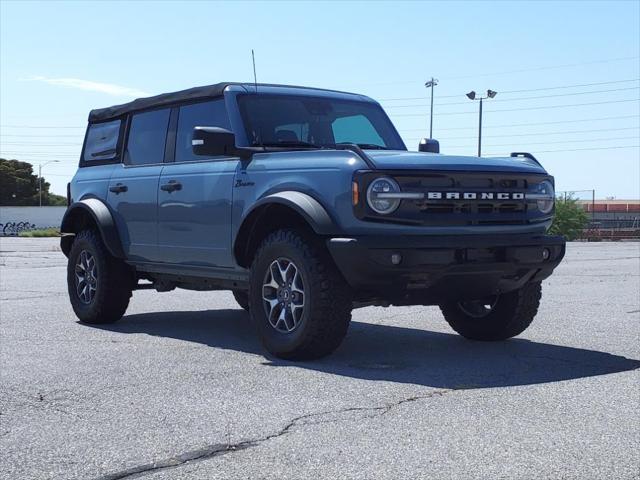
396,354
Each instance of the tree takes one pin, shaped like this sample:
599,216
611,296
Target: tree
570,218
19,186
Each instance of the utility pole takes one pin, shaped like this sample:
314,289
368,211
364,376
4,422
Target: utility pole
430,84
40,177
472,96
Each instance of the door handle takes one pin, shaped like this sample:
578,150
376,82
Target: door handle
118,188
171,186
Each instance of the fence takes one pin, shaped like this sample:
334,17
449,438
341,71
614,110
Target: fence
608,219
14,220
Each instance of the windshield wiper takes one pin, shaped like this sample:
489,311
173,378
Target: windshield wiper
365,146
285,144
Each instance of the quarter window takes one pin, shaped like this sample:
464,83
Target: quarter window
205,114
102,141
147,137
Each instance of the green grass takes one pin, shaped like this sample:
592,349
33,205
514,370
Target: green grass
44,232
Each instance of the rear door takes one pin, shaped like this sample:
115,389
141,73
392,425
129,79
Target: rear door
133,188
195,195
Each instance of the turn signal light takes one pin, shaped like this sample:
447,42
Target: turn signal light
355,193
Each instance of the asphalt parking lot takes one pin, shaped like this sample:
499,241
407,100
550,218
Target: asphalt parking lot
181,388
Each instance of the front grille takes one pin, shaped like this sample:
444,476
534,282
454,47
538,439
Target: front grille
460,211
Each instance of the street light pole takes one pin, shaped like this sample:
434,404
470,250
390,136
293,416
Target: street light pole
472,96
480,130
40,165
430,84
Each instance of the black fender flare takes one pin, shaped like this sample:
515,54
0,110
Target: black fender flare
307,206
310,209
101,216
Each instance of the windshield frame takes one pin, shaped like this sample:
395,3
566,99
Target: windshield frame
394,140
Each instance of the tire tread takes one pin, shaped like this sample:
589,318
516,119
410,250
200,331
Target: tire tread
115,281
328,320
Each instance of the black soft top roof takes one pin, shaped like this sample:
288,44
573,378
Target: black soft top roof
195,93
102,114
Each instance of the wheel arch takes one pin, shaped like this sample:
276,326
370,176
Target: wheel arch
90,213
280,210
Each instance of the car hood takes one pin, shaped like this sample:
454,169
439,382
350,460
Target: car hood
403,160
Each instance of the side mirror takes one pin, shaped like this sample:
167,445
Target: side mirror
213,141
429,145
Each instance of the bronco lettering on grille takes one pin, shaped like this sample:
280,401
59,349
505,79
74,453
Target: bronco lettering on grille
475,196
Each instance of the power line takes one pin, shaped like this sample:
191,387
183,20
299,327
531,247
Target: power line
40,136
38,126
43,144
524,70
538,134
581,120
419,105
520,109
40,154
579,149
549,67
504,92
635,137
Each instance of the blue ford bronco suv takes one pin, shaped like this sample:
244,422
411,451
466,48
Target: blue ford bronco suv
305,203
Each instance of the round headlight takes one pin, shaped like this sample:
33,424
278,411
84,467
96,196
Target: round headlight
546,196
380,195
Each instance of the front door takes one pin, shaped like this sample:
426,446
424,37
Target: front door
195,195
133,188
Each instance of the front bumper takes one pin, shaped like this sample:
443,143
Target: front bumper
433,269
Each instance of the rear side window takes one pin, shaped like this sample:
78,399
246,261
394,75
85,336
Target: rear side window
147,137
102,141
205,114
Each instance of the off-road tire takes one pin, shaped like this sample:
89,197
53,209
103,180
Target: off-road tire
114,281
511,315
328,303
242,298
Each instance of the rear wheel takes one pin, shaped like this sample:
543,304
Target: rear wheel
99,285
494,318
298,300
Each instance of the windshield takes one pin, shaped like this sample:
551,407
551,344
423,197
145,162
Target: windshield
315,122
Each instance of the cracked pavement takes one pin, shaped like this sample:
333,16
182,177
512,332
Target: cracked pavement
181,389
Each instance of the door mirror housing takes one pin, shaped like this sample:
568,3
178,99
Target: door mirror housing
429,145
216,141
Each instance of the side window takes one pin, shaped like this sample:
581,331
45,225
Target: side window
356,129
147,137
102,141
206,114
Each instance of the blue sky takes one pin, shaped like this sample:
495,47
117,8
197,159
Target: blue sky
61,59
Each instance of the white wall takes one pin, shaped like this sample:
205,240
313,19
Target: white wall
40,216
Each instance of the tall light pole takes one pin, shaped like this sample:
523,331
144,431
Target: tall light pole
40,177
472,96
430,84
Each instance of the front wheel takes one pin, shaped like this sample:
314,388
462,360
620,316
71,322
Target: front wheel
242,298
495,318
298,300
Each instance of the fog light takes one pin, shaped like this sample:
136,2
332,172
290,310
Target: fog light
396,258
546,254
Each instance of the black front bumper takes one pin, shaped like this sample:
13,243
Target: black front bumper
433,269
